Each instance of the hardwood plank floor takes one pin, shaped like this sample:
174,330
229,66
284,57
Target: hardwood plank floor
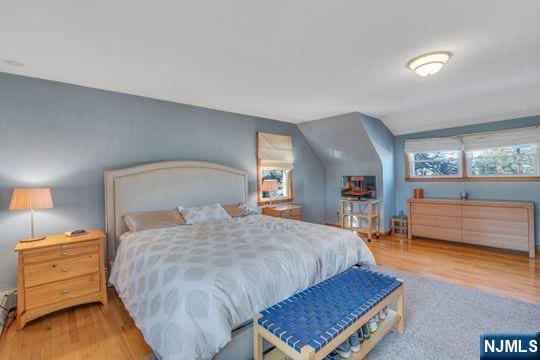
506,273
91,331
108,332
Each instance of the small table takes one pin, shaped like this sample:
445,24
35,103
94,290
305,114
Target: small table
399,226
286,211
354,212
59,272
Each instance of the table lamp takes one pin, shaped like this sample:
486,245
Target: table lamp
270,186
31,199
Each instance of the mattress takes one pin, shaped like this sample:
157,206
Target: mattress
187,287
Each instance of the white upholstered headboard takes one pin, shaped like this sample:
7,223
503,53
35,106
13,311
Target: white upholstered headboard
164,186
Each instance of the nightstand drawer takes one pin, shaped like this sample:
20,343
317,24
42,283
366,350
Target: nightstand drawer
62,290
42,273
59,252
291,213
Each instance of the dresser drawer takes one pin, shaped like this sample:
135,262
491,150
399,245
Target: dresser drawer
496,240
446,222
62,290
42,273
496,227
436,209
436,233
496,213
59,251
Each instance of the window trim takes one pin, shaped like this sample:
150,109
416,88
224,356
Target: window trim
464,175
260,200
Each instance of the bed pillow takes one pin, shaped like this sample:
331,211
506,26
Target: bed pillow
239,210
139,221
199,214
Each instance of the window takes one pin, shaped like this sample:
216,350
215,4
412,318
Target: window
279,184
520,160
435,164
508,155
275,161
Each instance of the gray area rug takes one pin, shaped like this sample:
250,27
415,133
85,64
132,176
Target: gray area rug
445,321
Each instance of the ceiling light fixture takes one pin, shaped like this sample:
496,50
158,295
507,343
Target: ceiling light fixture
13,62
429,64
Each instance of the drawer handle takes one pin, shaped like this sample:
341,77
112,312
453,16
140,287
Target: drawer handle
64,270
64,253
63,246
65,291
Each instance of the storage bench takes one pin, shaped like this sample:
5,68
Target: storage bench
312,323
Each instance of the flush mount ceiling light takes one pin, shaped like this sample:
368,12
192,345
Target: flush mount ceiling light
429,64
13,62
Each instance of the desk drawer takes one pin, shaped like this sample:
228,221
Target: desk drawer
46,272
59,252
62,290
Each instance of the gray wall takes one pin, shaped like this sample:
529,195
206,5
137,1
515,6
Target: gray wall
353,144
65,136
529,191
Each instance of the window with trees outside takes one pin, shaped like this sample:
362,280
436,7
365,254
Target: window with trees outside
519,160
509,155
282,178
435,164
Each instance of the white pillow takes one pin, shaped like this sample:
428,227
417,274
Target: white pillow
199,214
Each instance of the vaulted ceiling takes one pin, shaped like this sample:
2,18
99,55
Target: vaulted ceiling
290,60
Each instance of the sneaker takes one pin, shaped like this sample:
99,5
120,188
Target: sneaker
354,339
344,349
332,356
365,331
372,323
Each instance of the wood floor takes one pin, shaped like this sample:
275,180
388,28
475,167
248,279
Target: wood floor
108,332
506,273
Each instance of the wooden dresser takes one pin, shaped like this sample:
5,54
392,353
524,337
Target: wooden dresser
59,272
499,224
287,211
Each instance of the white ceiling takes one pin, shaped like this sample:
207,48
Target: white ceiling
290,60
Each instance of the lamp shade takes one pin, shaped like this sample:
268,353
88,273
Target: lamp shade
270,186
31,199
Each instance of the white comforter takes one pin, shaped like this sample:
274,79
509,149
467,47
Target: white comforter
189,286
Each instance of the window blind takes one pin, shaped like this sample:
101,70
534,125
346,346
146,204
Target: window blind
275,152
433,144
521,136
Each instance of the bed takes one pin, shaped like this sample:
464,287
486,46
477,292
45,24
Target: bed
192,289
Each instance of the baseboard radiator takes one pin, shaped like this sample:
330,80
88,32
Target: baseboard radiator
8,302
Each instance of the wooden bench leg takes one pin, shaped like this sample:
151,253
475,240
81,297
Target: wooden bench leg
307,352
257,340
401,313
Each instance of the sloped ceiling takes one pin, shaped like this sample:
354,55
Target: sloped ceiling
353,144
290,60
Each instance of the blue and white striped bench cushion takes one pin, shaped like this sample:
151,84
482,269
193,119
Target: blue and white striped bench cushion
317,315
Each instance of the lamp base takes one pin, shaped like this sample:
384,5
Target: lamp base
33,239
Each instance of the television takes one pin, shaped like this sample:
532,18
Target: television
358,186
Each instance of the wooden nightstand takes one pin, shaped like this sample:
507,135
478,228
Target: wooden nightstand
295,212
59,272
